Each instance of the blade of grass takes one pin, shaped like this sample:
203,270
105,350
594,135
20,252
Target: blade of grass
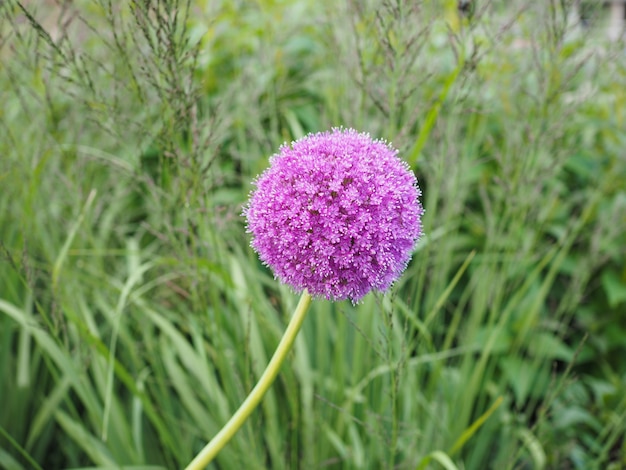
58,264
94,447
133,279
19,448
432,115
469,432
439,456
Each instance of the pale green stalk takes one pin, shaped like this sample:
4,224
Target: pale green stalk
209,452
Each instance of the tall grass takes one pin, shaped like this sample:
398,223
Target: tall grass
135,318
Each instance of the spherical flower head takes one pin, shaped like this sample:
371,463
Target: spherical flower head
336,213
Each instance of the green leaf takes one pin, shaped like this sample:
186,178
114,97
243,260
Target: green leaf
520,375
469,432
94,447
546,345
501,342
439,456
614,287
534,447
573,416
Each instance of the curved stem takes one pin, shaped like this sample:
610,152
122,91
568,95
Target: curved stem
209,452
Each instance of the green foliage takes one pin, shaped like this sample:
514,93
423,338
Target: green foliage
134,318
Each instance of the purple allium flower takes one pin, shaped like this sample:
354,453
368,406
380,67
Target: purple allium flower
336,213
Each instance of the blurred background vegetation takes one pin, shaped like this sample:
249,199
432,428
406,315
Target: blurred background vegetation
134,317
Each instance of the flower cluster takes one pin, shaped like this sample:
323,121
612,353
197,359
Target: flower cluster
336,213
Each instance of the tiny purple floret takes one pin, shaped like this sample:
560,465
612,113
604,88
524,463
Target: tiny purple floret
336,213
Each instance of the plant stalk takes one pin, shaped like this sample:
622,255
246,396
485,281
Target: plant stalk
209,452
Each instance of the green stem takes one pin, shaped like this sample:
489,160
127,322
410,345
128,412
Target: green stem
247,407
